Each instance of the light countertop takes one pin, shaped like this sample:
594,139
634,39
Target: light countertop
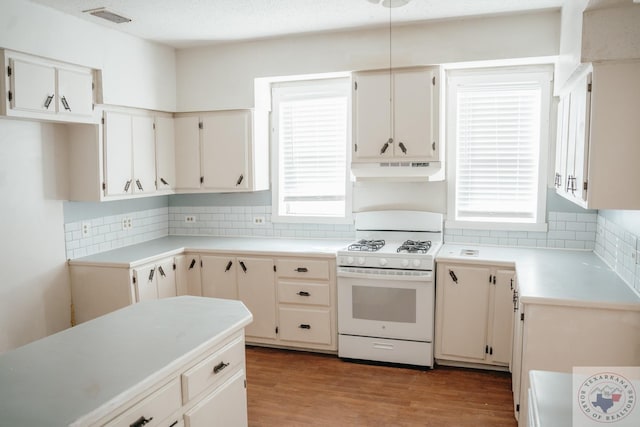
61,378
553,276
551,394
134,255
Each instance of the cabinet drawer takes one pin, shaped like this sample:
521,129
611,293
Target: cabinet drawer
301,268
157,408
225,406
303,293
214,369
305,325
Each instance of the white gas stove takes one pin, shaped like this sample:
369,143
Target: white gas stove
386,288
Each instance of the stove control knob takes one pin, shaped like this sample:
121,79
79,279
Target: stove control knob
349,260
416,263
361,260
383,261
404,263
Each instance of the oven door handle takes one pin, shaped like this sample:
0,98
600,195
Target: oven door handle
399,277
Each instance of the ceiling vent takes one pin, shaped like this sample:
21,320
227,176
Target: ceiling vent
103,13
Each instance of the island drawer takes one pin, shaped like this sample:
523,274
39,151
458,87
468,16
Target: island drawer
213,369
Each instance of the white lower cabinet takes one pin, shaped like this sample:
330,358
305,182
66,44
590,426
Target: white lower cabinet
226,406
474,314
98,290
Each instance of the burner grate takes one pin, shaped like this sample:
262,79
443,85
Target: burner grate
366,245
415,246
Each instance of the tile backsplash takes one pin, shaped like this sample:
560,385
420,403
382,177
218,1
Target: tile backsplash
566,230
620,249
107,232
239,221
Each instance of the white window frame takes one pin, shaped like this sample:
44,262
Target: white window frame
542,74
276,215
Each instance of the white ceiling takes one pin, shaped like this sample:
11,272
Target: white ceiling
183,23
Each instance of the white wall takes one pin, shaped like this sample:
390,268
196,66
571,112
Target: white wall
222,76
34,285
136,73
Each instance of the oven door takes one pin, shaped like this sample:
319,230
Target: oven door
386,303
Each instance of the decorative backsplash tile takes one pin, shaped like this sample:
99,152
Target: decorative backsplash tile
619,248
566,230
111,232
247,221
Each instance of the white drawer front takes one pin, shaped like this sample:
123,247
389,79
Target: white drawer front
385,350
226,406
155,408
303,293
301,268
214,369
305,325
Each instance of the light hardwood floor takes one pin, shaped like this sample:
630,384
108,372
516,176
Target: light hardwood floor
290,388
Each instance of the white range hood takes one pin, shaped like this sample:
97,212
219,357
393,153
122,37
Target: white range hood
398,171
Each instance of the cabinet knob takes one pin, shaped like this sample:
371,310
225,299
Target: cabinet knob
240,179
403,148
141,421
304,294
302,269
65,104
127,185
304,326
228,267
47,102
219,367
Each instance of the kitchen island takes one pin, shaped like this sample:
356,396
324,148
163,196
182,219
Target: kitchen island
167,359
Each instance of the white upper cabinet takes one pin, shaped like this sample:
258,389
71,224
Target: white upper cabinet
394,115
598,133
219,151
226,145
165,153
129,154
42,89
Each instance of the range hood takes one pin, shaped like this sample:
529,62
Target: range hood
398,171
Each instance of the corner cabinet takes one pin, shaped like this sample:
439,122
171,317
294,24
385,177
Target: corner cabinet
597,134
42,89
395,115
222,151
474,314
98,289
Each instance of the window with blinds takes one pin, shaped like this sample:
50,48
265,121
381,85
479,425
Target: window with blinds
500,127
310,128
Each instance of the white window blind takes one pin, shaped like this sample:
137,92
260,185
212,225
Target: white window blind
310,129
498,128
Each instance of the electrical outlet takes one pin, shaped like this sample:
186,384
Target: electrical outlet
190,219
86,229
258,220
127,224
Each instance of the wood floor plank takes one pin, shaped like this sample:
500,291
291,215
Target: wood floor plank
290,388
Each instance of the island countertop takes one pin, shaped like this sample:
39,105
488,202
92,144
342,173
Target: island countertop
80,374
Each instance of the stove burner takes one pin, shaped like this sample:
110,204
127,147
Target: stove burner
366,245
412,246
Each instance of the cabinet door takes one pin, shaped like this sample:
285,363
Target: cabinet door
413,110
33,86
562,140
166,277
188,280
464,311
75,92
516,354
581,105
165,153
219,277
256,289
226,139
502,320
372,117
187,133
144,155
118,157
146,284
225,406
